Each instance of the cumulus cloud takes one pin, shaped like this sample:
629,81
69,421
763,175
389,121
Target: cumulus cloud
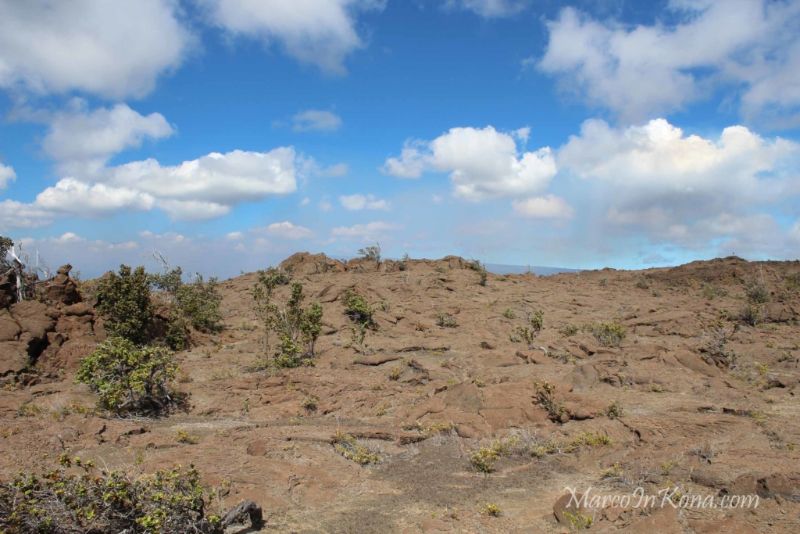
112,49
73,197
316,120
371,231
482,163
7,175
658,182
15,214
643,70
319,32
489,8
546,207
82,141
657,164
288,230
203,188
359,202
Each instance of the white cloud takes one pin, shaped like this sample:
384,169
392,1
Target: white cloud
359,202
112,49
234,236
288,230
228,178
15,214
203,188
546,207
319,32
658,165
367,232
489,8
690,191
7,175
73,197
482,163
82,141
645,70
316,120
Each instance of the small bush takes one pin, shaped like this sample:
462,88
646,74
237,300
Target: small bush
509,314
63,502
715,350
479,268
124,301
372,252
445,320
757,292
358,309
569,330
296,327
492,510
608,334
614,410
532,328
127,378
793,282
348,446
6,244
751,314
546,398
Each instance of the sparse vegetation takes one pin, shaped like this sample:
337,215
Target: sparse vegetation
296,327
446,320
614,410
129,379
608,334
546,398
509,314
480,268
569,330
484,458
492,510
62,501
357,309
530,330
371,252
715,350
350,448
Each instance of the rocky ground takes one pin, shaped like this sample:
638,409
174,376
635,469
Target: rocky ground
693,398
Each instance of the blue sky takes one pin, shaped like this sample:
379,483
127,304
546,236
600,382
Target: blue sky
227,134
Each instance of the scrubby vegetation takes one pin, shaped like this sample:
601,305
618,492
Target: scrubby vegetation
480,268
79,498
608,334
528,332
350,448
371,252
446,320
129,379
124,301
6,244
296,327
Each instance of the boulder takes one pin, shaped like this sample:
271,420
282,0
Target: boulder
62,289
9,328
303,263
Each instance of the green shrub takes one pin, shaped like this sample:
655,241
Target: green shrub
124,302
194,304
358,309
64,501
757,292
751,314
609,334
297,328
129,379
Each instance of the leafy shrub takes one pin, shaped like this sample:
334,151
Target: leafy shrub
609,334
124,302
569,330
614,410
194,304
757,292
509,314
127,378
358,309
296,327
371,252
170,501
